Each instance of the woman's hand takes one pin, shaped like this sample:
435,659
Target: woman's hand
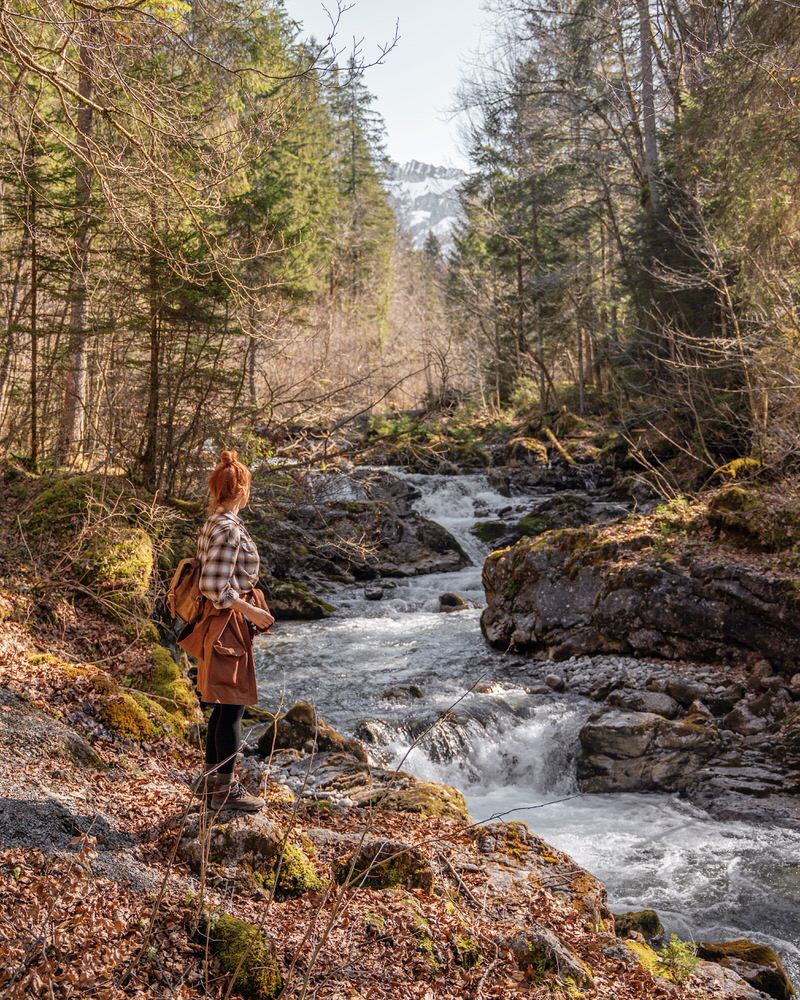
259,617
252,612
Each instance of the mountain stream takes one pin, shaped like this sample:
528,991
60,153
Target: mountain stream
384,670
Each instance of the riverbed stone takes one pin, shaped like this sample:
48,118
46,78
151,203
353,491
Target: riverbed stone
632,751
645,922
301,729
653,702
758,964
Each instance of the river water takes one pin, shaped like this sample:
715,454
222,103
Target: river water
510,747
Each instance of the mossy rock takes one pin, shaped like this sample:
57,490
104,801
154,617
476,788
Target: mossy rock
118,569
647,956
246,953
171,689
301,729
466,951
296,876
122,714
291,600
382,864
490,531
532,525
758,964
59,510
645,922
529,450
428,798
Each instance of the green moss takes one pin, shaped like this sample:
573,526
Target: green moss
173,691
295,873
383,866
118,568
122,714
646,922
646,955
489,531
247,954
59,509
428,798
531,525
466,951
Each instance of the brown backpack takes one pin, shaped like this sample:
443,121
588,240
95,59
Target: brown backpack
184,599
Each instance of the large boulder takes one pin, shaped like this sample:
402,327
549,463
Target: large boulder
635,588
631,751
758,964
346,781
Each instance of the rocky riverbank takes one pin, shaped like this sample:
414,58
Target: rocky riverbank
701,587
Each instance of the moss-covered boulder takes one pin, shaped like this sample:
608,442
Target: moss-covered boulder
291,600
246,840
490,531
382,864
117,568
59,510
292,875
123,715
167,684
541,953
758,964
301,729
526,451
428,798
245,952
644,922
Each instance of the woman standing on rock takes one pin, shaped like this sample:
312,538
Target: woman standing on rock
222,638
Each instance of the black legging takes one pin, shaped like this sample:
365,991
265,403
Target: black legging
223,738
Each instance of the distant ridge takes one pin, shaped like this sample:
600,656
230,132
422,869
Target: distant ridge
425,199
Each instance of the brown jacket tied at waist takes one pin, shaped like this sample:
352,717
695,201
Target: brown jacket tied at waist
222,644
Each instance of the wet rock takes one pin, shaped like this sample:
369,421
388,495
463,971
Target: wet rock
586,590
631,751
452,602
301,729
653,702
384,864
741,720
373,593
291,600
555,682
757,964
402,692
646,922
539,950
685,691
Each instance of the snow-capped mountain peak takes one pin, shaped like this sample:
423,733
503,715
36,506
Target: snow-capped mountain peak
425,200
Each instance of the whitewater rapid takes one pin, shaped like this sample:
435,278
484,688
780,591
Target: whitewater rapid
385,669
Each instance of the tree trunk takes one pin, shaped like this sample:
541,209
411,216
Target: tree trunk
34,379
648,103
73,414
152,417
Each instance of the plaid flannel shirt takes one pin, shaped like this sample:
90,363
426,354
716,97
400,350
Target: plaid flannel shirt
228,557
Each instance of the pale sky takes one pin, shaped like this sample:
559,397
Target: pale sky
416,84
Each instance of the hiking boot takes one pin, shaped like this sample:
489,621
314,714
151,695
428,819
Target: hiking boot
229,793
204,786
